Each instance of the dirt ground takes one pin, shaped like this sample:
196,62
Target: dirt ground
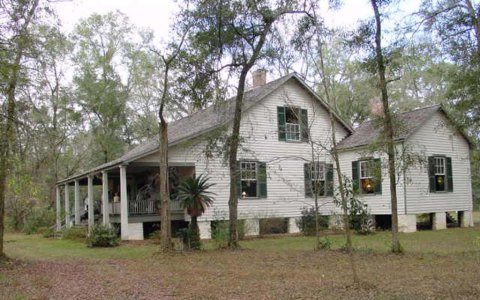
247,274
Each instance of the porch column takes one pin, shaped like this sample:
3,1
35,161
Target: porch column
67,206
106,208
123,203
91,216
59,208
77,202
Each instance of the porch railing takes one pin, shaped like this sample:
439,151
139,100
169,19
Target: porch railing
143,207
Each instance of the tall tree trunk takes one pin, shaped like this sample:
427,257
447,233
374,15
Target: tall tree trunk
194,234
232,159
388,127
7,138
235,138
165,229
7,142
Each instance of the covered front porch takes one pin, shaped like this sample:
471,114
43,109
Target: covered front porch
125,195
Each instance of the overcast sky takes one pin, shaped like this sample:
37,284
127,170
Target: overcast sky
157,14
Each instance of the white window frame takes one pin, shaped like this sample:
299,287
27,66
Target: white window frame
318,174
440,169
365,169
292,130
246,169
439,165
368,171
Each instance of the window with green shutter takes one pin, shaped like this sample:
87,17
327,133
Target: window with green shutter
440,175
252,179
292,124
367,176
318,179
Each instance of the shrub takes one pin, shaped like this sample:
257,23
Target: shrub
221,232
306,223
37,219
75,234
154,235
46,232
325,243
102,236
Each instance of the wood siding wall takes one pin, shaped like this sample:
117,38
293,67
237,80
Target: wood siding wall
285,160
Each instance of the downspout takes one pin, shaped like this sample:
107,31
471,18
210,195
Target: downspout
404,180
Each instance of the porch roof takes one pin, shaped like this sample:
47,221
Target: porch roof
203,121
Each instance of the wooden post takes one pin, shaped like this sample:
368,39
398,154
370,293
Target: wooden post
106,207
67,206
91,216
77,202
123,203
59,208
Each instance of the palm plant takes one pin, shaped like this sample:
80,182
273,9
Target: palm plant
194,196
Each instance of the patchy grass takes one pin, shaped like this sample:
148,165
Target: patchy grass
437,264
476,218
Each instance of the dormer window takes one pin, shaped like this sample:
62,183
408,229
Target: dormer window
292,124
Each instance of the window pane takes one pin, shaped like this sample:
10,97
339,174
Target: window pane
248,177
365,169
318,171
292,125
249,188
367,185
292,132
440,182
439,166
318,187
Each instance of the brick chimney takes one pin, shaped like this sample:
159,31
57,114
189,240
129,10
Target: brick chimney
376,107
259,77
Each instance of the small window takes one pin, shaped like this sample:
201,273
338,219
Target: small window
367,182
440,173
248,179
292,125
318,178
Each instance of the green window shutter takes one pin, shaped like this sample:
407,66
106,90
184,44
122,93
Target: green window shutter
355,176
307,172
304,124
449,174
431,174
378,175
239,182
262,179
281,123
329,179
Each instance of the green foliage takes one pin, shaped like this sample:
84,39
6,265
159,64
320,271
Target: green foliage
306,222
37,219
359,217
46,232
75,234
193,194
101,236
221,232
325,243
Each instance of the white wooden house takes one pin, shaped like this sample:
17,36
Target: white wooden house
280,119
